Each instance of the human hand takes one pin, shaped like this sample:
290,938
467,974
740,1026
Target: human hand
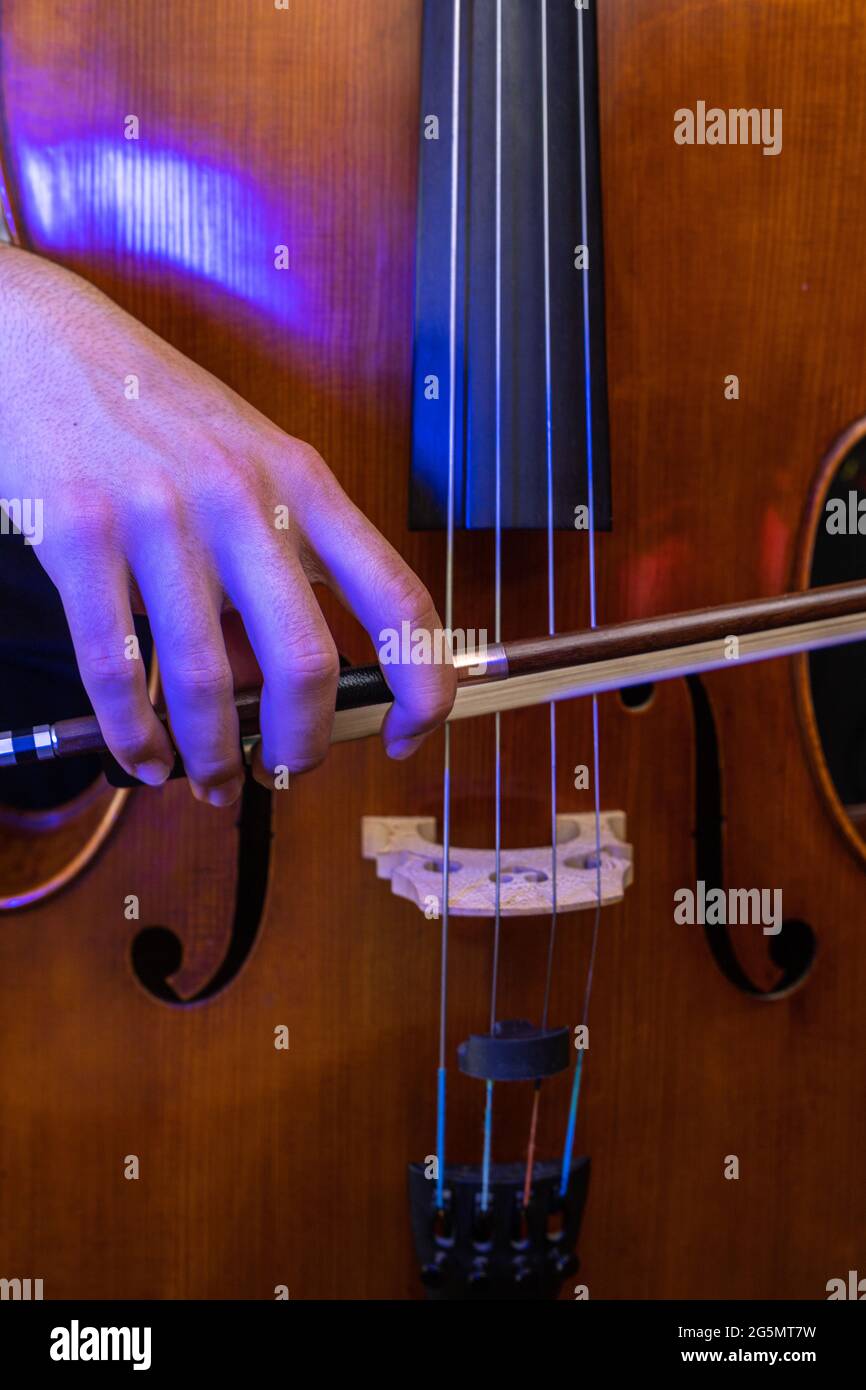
176,500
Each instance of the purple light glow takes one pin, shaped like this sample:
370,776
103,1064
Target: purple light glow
164,209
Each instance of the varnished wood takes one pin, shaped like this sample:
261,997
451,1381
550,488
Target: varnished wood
43,852
850,827
260,1167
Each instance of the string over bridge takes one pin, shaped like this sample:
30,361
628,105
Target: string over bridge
407,852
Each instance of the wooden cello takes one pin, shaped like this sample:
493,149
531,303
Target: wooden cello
153,951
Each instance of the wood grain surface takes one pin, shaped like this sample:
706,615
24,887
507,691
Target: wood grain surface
261,1167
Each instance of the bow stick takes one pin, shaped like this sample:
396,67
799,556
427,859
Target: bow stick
536,670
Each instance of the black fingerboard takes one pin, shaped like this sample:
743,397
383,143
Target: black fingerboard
523,378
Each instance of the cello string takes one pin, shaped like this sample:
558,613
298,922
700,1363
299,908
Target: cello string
488,1106
593,618
551,590
548,415
449,606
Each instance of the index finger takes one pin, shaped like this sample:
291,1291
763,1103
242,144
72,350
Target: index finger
377,585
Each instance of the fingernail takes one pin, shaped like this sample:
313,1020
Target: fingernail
225,795
153,773
404,747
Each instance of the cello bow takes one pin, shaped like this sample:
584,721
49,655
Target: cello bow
536,670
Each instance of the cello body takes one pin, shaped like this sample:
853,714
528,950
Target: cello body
148,1028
